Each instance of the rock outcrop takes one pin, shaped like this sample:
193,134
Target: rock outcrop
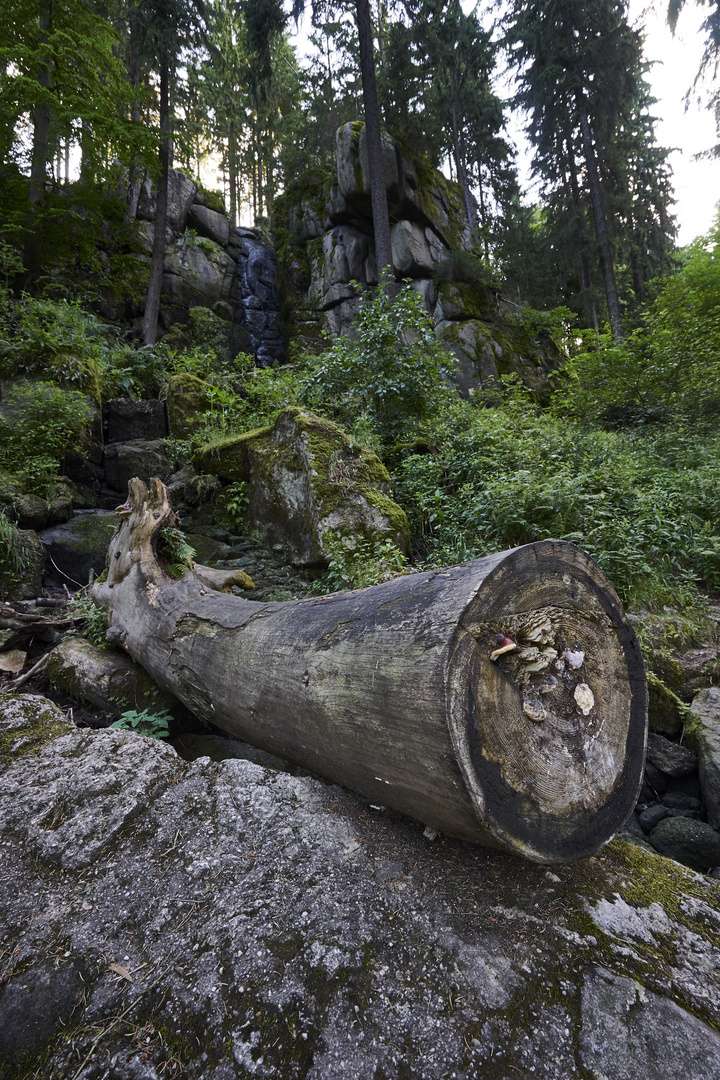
309,486
209,263
325,242
224,919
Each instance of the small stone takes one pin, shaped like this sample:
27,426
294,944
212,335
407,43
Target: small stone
671,758
694,843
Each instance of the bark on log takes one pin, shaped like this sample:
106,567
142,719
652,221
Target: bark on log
401,691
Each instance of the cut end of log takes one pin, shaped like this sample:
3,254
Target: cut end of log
550,735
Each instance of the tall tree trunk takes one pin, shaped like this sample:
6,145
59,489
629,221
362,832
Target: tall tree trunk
152,302
483,216
601,229
459,154
588,298
32,255
232,171
135,177
378,192
596,204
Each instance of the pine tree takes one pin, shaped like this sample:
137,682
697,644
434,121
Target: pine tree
581,80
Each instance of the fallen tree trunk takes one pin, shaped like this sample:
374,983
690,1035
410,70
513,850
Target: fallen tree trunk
503,701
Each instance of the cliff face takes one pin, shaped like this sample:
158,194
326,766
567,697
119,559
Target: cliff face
325,243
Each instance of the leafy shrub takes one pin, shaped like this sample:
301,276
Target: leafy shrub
55,339
390,376
153,725
126,371
205,333
668,368
231,506
641,504
44,424
94,618
357,562
13,557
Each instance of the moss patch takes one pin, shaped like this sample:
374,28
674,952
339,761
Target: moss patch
27,723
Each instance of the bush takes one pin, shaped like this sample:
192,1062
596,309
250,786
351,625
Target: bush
390,377
44,424
641,504
55,339
666,370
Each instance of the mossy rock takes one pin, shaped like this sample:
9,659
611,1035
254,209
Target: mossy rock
666,712
308,484
27,723
458,300
187,398
105,678
21,575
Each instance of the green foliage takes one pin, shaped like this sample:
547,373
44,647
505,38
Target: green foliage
174,550
467,268
669,367
153,725
55,339
232,504
357,562
641,504
13,559
129,371
94,618
43,423
204,335
390,377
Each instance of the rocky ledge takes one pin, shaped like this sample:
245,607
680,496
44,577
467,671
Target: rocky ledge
219,920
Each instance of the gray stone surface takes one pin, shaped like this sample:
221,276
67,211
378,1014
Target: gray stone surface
692,842
209,223
135,458
181,192
631,1033
196,275
705,735
80,545
227,921
104,677
125,419
670,757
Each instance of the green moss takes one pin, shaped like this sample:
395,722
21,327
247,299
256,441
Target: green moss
230,458
35,722
666,712
187,397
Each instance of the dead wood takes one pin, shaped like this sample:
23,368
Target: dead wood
503,701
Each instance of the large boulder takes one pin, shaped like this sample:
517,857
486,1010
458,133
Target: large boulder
336,259
197,274
188,397
125,419
27,723
703,733
104,678
181,193
135,458
237,921
210,224
309,486
78,547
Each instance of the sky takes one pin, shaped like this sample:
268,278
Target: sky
688,131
